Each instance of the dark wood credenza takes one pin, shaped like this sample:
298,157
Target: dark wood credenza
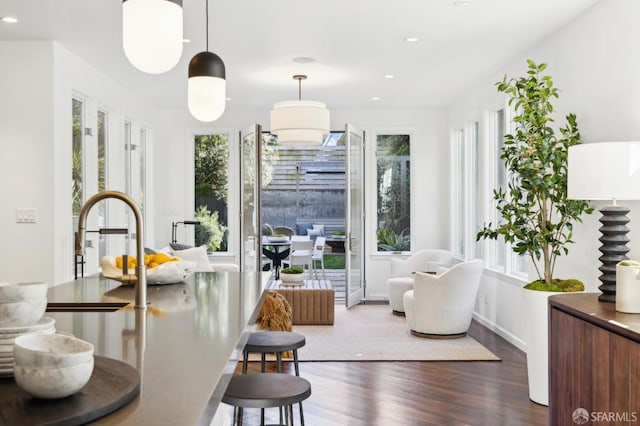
594,361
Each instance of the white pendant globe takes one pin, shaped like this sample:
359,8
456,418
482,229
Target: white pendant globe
207,97
152,34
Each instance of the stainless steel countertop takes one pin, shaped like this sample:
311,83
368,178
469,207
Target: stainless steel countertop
186,346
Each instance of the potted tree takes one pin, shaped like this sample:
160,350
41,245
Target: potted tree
536,216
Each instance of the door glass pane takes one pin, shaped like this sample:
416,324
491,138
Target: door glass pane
102,179
211,169
394,192
77,164
250,199
355,205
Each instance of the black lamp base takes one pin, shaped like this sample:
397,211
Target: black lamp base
614,248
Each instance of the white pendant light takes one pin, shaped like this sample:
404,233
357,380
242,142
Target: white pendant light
300,123
207,86
152,34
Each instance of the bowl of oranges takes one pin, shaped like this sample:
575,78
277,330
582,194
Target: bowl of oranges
161,268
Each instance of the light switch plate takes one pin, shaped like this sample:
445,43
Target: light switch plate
26,215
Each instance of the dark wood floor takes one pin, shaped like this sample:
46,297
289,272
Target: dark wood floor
418,393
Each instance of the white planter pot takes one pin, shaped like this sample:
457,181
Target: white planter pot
292,278
628,289
536,335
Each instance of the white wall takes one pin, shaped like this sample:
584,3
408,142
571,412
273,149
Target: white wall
430,171
595,63
26,154
37,82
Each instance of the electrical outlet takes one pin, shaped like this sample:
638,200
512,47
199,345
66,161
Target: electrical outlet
26,215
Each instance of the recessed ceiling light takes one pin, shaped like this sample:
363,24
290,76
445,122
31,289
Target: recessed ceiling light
462,3
411,39
9,19
303,60
186,40
389,76
227,99
375,98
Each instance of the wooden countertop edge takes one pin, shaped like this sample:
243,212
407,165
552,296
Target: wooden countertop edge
587,307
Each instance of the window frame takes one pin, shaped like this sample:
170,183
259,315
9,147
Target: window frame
371,177
505,261
233,203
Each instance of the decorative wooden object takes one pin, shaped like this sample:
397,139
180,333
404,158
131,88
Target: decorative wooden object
614,248
113,384
594,361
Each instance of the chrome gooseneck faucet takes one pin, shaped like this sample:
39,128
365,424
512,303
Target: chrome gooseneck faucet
141,270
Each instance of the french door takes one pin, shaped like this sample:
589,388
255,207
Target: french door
354,212
250,188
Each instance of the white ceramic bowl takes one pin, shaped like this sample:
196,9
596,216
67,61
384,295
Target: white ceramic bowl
52,383
15,291
24,312
50,350
44,324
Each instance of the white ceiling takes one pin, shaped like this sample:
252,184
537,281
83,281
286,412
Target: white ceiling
355,43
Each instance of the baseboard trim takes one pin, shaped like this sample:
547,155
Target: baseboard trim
509,337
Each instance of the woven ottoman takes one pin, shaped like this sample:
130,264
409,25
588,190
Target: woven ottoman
311,303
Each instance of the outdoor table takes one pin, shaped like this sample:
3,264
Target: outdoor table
276,252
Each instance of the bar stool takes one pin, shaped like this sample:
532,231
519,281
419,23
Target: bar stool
264,342
266,390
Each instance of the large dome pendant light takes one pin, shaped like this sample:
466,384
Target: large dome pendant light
207,87
152,34
300,123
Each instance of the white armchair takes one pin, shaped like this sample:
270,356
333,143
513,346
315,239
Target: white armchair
402,271
441,305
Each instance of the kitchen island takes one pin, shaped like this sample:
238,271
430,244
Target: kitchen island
185,346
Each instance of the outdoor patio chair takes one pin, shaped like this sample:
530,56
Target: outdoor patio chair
284,230
318,256
301,254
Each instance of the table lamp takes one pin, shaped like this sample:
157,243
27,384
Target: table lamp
607,171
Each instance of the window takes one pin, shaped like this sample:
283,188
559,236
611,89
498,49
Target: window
77,160
466,180
211,170
498,253
102,178
393,163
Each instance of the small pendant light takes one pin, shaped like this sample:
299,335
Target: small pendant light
207,86
152,34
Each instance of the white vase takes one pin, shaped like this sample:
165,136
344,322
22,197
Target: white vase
628,289
536,334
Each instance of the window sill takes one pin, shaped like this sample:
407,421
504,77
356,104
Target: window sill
511,279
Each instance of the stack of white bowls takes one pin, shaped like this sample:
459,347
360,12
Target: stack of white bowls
22,306
52,365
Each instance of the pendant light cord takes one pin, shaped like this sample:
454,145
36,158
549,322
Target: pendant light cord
207,20
299,89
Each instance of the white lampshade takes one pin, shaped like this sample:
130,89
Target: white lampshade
152,34
604,171
300,123
207,97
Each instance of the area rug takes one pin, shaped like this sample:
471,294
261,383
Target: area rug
373,333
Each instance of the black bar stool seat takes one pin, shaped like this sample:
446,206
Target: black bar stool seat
266,390
264,342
